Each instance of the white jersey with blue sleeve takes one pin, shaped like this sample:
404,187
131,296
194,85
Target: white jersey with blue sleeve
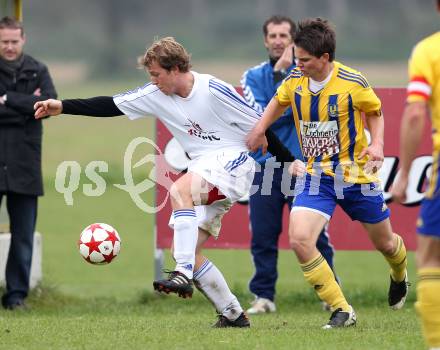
211,125
212,117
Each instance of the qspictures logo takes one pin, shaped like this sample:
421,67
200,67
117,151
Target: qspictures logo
164,165
68,176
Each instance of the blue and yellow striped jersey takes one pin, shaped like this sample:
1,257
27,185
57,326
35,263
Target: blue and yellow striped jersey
424,85
329,123
424,76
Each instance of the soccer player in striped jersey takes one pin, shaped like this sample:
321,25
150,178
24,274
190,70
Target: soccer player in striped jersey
210,120
328,99
266,209
424,98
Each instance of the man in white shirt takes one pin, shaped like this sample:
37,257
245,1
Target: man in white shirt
210,120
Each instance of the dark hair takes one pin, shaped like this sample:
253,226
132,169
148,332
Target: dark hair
168,53
11,23
277,19
317,36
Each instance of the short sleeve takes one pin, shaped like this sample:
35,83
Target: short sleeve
231,107
283,94
137,103
366,100
421,75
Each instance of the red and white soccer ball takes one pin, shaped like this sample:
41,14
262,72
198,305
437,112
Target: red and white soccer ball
99,244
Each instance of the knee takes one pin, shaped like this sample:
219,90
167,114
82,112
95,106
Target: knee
298,245
174,192
177,195
299,242
421,260
427,259
386,246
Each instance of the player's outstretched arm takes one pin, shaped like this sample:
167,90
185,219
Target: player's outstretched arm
47,108
99,106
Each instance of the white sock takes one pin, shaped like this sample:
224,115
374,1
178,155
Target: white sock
210,281
185,240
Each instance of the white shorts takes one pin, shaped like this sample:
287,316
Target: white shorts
232,172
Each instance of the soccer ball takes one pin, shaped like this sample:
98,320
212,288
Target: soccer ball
99,244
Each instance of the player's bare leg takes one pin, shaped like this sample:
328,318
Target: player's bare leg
392,247
304,229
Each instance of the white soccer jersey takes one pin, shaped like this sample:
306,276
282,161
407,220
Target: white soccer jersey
213,117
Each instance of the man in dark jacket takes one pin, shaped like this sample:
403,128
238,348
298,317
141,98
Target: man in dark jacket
23,81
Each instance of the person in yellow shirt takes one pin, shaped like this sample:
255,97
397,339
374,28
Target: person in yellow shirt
424,97
328,99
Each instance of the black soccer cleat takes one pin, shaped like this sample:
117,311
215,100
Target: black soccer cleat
241,322
397,293
177,283
339,319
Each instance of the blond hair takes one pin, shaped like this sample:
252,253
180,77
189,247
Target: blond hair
168,53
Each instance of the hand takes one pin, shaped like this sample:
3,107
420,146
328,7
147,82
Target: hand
2,100
375,158
398,190
47,108
37,92
286,59
256,139
297,168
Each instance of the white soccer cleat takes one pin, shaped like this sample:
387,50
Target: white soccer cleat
261,306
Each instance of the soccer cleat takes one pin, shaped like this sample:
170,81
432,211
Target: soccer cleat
17,306
261,306
397,293
177,283
241,322
339,319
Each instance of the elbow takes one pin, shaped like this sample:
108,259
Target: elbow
415,120
415,113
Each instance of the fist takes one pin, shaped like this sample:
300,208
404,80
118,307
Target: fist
47,108
297,168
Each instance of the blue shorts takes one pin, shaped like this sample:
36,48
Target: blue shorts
429,217
362,202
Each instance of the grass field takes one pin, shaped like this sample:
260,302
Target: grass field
80,306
